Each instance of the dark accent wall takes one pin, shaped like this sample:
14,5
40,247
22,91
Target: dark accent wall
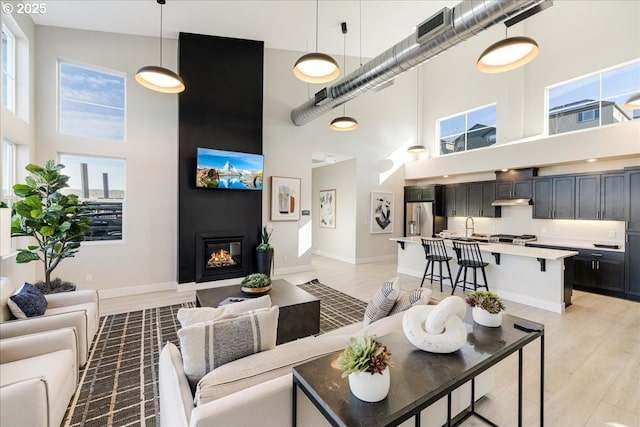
221,108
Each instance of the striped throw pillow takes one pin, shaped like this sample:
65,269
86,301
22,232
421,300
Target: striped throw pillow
383,301
418,296
207,345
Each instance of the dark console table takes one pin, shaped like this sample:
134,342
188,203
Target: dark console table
419,378
299,311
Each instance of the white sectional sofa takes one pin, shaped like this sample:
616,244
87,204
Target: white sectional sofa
257,390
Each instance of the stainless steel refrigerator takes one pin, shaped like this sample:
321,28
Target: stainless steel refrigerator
419,219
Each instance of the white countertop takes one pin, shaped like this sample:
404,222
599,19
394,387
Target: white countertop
506,249
580,244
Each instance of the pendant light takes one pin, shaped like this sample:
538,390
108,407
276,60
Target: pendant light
344,122
508,54
316,67
632,103
418,148
159,78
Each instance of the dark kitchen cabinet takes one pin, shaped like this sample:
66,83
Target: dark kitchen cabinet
554,197
599,271
632,263
480,195
420,194
455,200
632,197
514,189
600,196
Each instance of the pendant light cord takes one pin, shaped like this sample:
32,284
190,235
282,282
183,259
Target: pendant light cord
360,28
161,34
344,60
418,108
317,25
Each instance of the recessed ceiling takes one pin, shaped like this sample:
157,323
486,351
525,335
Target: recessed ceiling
288,25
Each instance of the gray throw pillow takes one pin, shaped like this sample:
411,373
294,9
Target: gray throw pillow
418,296
207,345
28,301
383,301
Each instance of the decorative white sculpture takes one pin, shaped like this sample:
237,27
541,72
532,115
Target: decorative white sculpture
437,328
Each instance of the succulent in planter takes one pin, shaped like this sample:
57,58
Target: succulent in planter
256,280
485,300
265,237
364,354
264,253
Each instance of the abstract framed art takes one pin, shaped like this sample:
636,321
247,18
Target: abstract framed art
327,209
382,208
285,198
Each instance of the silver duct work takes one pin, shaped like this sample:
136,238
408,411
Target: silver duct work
467,19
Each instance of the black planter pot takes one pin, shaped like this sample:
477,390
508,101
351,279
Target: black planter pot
264,261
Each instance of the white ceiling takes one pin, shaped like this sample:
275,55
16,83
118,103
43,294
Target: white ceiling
286,25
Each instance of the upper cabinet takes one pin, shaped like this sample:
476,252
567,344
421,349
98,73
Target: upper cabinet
600,196
455,200
514,189
480,195
554,197
632,197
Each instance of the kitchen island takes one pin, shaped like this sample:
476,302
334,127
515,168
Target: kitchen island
527,275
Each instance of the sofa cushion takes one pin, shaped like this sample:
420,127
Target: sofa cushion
382,301
6,290
418,296
190,316
28,301
174,383
258,368
208,345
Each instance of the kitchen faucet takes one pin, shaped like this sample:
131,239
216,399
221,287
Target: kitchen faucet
466,227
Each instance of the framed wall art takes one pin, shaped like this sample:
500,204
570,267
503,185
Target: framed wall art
328,208
285,198
382,209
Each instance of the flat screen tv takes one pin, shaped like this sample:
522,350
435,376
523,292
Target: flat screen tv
229,170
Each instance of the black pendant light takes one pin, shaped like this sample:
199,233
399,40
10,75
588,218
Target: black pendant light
159,78
344,123
316,67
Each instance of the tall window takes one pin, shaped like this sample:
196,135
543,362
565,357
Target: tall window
8,171
92,102
468,130
593,100
100,182
8,69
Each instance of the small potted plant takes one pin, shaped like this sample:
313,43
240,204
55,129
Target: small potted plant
366,362
257,283
264,253
487,308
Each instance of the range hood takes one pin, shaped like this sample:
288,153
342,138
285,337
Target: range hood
511,202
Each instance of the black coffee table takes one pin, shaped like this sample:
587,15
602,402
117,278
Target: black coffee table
299,310
419,378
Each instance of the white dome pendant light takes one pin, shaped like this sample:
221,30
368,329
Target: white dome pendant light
344,122
159,78
316,67
633,103
418,148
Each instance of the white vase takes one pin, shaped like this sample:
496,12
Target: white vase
370,387
484,318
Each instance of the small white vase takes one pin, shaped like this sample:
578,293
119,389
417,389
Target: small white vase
368,387
484,318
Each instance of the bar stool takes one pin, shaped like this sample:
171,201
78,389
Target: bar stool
468,254
435,251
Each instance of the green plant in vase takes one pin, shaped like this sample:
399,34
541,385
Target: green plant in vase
264,253
256,283
366,363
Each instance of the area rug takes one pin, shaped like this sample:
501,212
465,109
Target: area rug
119,384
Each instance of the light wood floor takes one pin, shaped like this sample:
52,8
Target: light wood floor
592,351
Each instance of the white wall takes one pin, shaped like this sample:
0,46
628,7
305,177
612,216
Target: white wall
339,242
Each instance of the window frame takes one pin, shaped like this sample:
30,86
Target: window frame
98,69
466,128
9,69
9,166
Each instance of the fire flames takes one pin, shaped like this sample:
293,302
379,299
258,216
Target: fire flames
220,258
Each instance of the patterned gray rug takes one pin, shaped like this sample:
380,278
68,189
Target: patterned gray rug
119,384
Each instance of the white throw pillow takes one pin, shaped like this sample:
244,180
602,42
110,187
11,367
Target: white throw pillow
207,345
418,296
383,301
191,316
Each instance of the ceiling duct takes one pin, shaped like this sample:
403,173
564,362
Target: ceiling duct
440,32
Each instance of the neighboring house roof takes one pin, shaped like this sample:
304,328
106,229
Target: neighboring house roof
583,105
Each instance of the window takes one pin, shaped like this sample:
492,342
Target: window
8,171
8,69
99,181
593,100
92,102
467,131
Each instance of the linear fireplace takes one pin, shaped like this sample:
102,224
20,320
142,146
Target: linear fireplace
220,257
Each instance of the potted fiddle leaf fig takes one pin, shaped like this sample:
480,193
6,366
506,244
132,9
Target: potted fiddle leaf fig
264,253
54,221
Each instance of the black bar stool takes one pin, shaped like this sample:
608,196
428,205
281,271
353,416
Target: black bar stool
468,254
435,251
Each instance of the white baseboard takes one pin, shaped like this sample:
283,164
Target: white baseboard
411,272
136,290
334,256
380,258
530,301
